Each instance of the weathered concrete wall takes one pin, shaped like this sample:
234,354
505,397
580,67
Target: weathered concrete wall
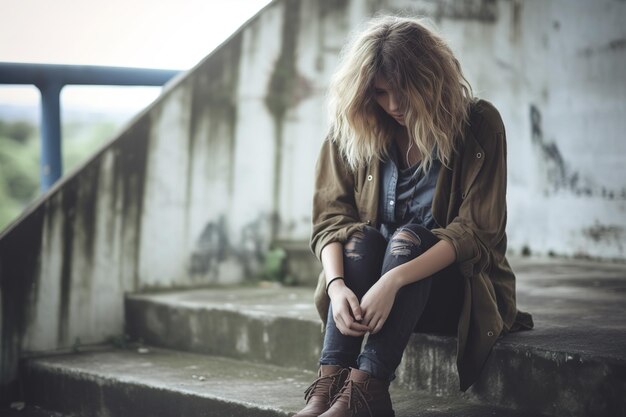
197,188
65,266
555,70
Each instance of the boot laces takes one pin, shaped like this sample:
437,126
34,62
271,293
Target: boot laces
356,394
323,385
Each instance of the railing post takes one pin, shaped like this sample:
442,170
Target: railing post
51,163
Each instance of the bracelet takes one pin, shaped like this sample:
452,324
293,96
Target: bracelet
331,281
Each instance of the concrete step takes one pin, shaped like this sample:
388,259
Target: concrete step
165,383
25,410
276,325
572,364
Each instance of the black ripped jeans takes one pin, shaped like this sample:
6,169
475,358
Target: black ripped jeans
430,305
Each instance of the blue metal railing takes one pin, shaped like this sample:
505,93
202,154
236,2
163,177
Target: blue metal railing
50,80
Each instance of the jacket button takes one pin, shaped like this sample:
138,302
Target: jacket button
463,196
369,177
479,155
489,333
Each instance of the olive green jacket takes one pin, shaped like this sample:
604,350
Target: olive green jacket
469,205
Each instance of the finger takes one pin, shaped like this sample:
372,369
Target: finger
355,307
353,333
367,320
346,320
348,331
379,325
347,326
359,327
340,323
374,322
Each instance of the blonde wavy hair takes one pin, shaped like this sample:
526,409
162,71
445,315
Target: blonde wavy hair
420,67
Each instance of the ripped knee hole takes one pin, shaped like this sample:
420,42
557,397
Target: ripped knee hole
350,248
403,241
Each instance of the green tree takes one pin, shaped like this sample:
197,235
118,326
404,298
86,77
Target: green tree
20,155
20,130
19,170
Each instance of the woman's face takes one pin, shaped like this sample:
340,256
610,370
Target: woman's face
388,99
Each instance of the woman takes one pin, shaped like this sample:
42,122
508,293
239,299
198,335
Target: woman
409,217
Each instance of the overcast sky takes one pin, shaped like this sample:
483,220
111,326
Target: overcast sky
173,34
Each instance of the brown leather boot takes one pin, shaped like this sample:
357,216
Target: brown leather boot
321,392
362,396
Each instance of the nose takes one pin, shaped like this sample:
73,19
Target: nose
394,103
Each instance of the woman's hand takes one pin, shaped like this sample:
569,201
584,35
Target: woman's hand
346,310
377,303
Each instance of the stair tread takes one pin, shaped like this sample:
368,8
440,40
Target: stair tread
567,320
574,359
258,386
29,411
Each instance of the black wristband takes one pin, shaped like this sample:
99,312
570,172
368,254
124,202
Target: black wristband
330,282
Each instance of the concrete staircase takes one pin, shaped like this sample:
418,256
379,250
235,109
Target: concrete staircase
142,215
252,351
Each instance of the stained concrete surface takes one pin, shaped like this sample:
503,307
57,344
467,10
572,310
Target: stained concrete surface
30,411
198,385
271,327
578,306
266,299
572,363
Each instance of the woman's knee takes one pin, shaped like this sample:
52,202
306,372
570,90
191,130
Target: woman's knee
411,240
363,257
364,242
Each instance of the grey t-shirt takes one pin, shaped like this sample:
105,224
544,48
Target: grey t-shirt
406,195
